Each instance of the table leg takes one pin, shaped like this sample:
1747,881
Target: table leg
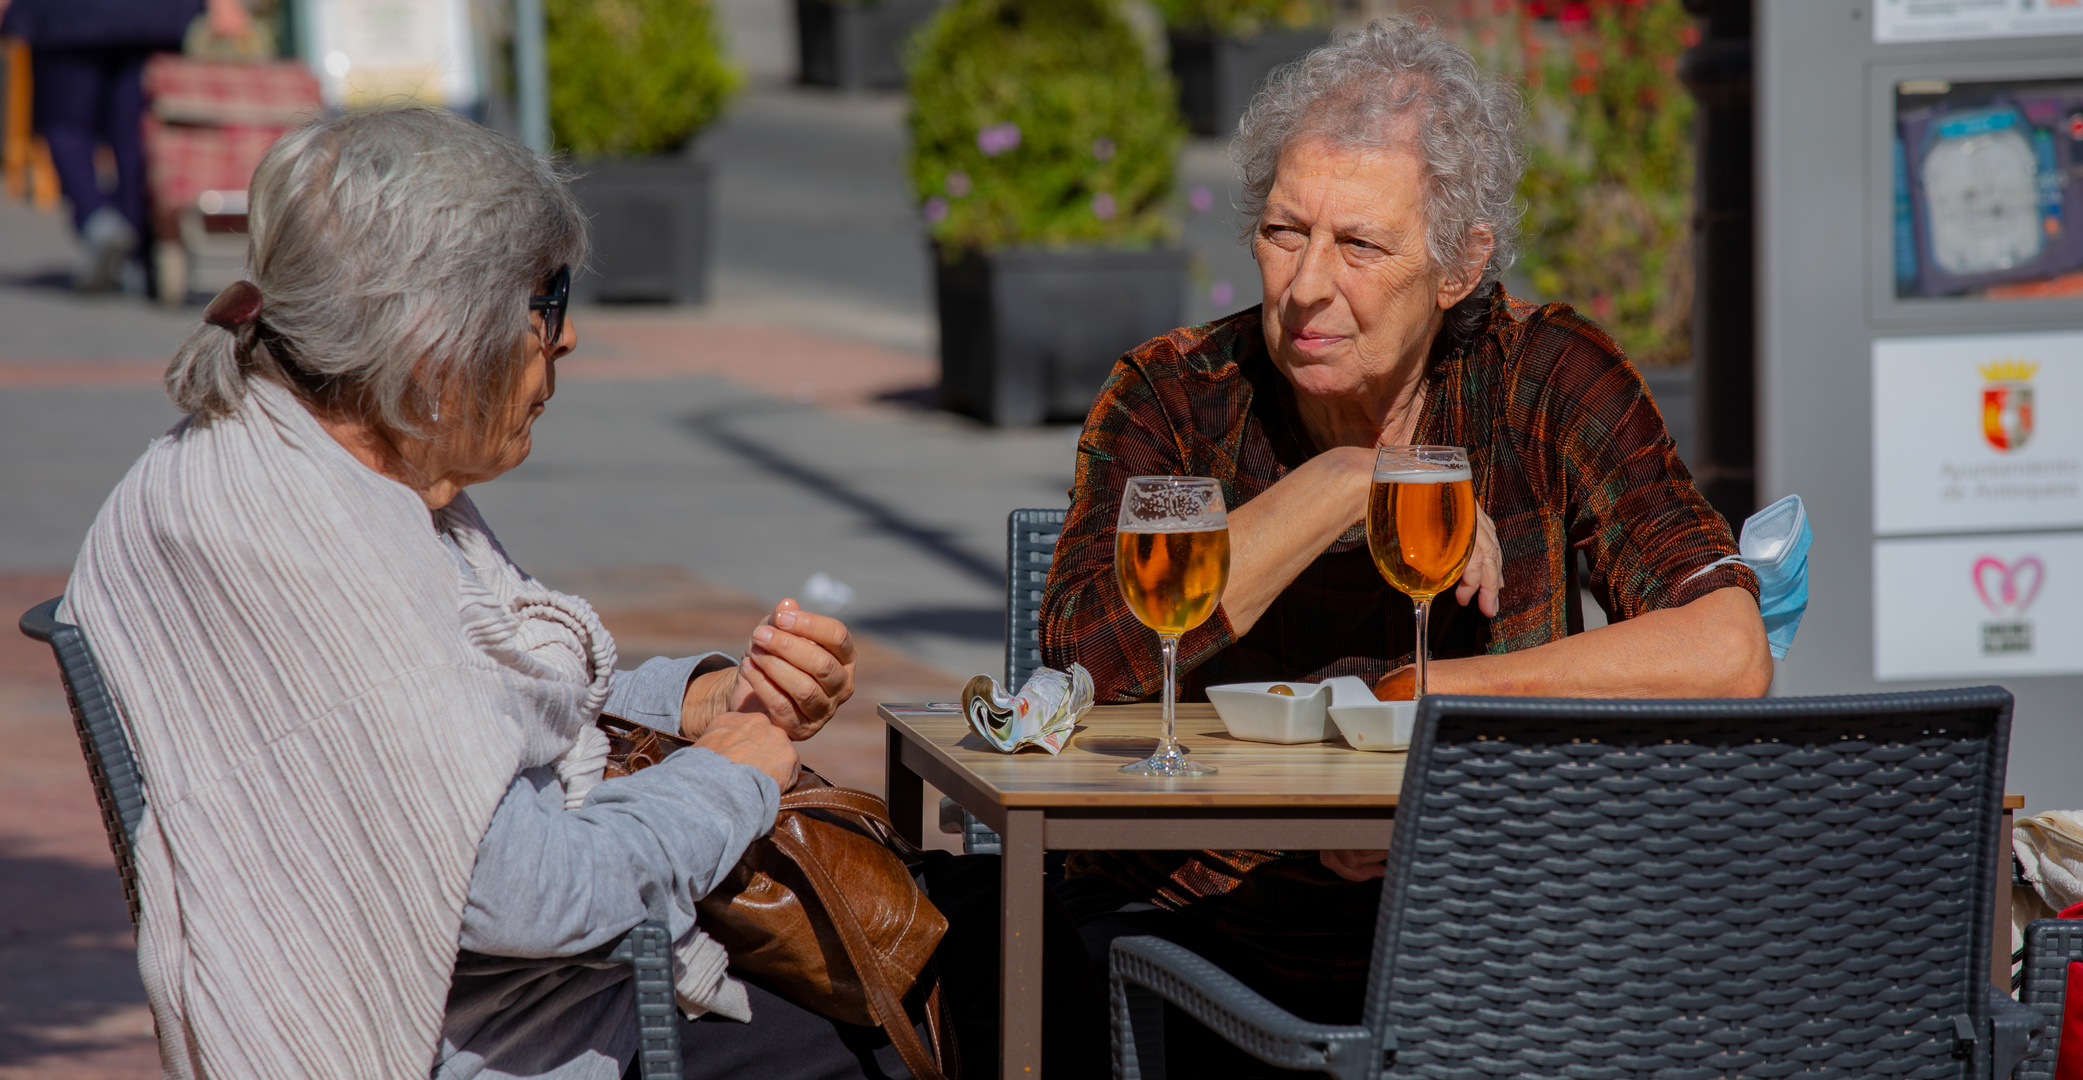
903,791
2000,945
1020,947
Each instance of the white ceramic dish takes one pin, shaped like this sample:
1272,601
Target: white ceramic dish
1252,713
1368,724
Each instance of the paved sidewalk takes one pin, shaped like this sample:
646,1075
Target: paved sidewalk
695,466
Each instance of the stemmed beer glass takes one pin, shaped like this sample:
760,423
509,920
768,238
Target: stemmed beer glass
1421,526
1172,558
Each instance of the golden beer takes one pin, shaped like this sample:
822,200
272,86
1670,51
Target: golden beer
1421,528
1172,580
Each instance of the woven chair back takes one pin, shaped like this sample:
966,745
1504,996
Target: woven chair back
1681,889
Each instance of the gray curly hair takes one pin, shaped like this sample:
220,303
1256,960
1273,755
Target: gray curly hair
1397,83
394,252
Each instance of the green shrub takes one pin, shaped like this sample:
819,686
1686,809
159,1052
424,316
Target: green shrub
1040,122
1608,191
1243,18
630,78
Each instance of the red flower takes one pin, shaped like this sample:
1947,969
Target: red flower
1689,35
1576,11
1583,84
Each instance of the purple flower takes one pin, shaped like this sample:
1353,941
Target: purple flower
1103,148
958,184
1222,294
1201,199
998,138
1103,206
936,209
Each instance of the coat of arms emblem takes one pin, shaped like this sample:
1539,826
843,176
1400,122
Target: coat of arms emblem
2007,402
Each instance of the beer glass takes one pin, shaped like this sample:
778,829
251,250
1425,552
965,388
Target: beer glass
1421,526
1172,558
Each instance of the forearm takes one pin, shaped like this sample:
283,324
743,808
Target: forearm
1712,647
1276,535
552,882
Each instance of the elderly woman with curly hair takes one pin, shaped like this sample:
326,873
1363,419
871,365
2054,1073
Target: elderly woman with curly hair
375,803
1380,174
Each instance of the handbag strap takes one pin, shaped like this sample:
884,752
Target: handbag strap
883,1000
873,812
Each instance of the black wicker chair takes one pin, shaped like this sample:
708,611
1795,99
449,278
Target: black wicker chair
2051,945
120,788
1661,889
1030,546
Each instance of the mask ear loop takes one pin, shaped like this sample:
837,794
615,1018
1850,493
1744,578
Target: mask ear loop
1723,561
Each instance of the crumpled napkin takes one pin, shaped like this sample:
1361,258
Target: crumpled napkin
1043,713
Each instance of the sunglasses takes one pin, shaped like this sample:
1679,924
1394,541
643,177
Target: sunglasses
553,307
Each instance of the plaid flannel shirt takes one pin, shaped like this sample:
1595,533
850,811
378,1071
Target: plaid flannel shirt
1569,453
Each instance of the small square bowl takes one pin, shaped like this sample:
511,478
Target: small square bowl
1366,723
1250,712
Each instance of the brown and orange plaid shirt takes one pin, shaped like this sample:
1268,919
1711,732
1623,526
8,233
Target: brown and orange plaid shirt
1569,454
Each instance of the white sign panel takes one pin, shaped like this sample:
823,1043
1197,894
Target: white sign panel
1978,606
377,52
1954,20
1978,433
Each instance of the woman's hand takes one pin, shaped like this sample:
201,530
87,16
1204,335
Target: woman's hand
752,739
1484,577
798,669
1356,865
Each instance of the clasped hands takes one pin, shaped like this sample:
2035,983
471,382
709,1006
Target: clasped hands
798,668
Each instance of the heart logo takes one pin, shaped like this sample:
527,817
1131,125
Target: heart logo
2008,588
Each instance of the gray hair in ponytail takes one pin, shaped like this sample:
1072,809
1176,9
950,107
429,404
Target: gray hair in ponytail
394,253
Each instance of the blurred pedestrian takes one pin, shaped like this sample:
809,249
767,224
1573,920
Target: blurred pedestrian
87,58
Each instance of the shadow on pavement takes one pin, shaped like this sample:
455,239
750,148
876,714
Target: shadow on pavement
966,623
68,966
711,427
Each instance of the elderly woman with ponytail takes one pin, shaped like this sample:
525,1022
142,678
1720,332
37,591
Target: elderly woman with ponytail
366,735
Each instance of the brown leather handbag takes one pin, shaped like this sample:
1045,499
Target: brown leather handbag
848,953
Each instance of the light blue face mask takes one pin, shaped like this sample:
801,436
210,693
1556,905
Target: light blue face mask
1775,547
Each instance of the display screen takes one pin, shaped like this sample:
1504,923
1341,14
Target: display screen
1989,189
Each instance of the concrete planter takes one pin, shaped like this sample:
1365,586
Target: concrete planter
858,46
651,234
1218,75
1029,334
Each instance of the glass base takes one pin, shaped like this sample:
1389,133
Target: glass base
1175,763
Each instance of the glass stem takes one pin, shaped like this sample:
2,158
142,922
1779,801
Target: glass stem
1170,644
1424,646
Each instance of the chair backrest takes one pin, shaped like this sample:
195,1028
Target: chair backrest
2051,945
1030,546
1710,888
118,785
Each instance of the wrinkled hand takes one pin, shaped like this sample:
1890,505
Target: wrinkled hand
1484,577
798,670
753,739
1357,865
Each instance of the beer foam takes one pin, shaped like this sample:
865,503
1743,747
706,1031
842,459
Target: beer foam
1424,476
1204,524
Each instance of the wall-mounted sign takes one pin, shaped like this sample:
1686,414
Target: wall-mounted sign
377,52
1955,20
1957,607
1977,433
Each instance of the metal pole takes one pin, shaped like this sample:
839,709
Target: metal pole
531,75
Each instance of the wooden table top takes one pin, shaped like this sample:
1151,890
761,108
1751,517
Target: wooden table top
1087,772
